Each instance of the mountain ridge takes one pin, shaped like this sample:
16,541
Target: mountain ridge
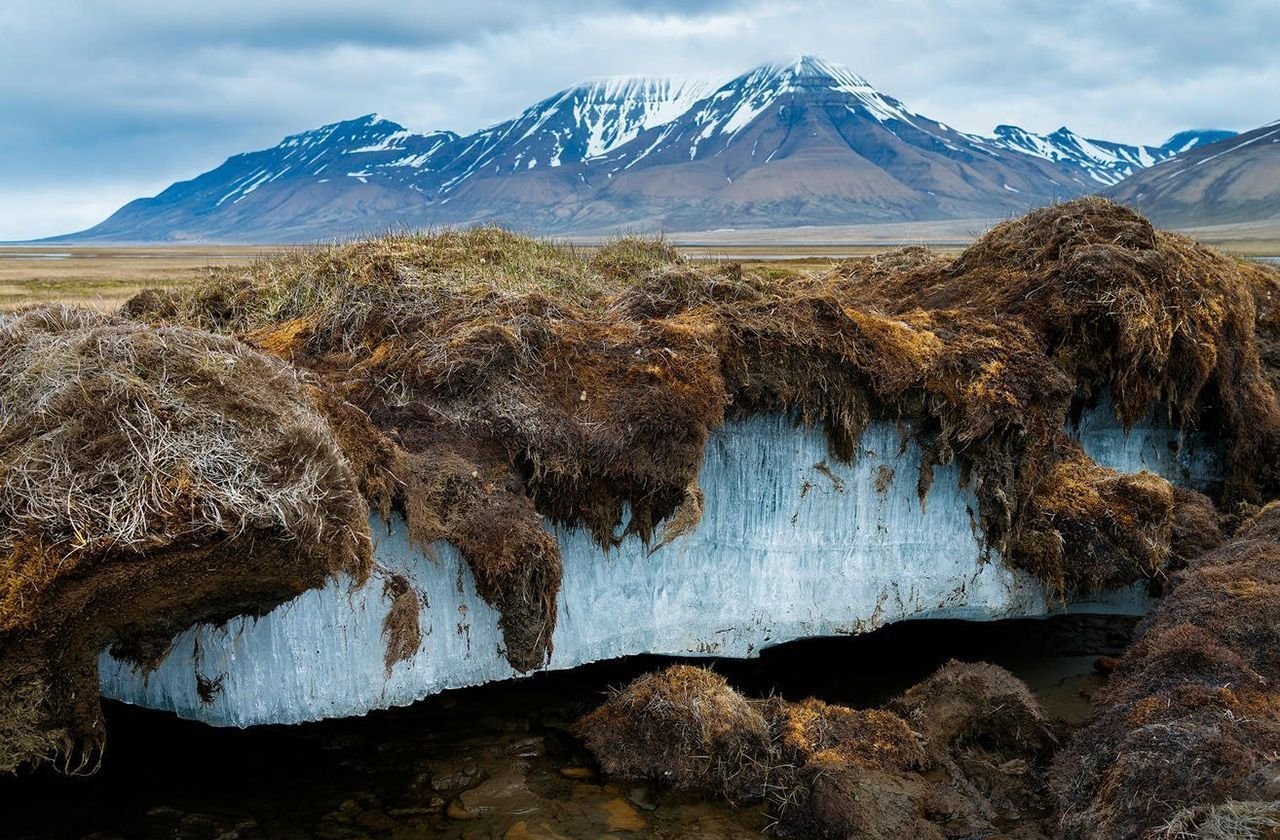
1234,180
800,142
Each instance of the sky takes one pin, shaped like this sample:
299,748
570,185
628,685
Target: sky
104,101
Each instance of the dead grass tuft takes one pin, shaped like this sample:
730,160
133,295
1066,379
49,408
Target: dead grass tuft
138,467
1190,719
684,727
400,629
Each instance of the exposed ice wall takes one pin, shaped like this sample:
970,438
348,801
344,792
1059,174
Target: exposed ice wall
1185,459
791,545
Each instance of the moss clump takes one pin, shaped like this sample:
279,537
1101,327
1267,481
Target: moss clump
965,703
1190,719
149,479
684,727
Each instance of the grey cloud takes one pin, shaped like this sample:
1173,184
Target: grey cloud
138,91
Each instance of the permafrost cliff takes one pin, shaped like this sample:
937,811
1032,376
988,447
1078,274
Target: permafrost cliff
348,478
792,544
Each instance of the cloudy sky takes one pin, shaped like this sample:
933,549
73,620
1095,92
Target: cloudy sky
107,100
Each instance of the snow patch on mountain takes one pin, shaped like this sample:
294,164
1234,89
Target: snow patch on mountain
1103,161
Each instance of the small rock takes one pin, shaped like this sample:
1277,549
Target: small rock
506,792
581,774
643,798
454,775
620,816
455,810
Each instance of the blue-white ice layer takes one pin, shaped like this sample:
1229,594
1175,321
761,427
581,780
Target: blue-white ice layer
1186,459
791,545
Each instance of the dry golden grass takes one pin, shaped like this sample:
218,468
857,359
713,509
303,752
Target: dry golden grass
103,278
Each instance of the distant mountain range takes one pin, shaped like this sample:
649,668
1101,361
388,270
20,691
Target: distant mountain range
802,143
1228,182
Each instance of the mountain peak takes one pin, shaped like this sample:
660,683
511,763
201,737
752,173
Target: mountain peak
1184,141
810,71
364,127
630,88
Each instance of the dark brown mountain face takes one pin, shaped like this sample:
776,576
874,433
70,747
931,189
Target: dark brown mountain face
1233,180
811,143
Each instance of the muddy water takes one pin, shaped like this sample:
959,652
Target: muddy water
497,761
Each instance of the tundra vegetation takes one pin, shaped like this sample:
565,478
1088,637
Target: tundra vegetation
214,450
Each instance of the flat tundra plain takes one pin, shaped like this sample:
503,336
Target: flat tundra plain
104,277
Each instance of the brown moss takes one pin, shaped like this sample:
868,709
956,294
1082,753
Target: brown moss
841,801
1152,316
684,727
1190,719
840,772
812,730
149,479
1087,527
966,703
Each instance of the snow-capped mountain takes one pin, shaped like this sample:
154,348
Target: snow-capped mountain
810,142
573,126
338,176
801,142
1103,161
1234,180
716,123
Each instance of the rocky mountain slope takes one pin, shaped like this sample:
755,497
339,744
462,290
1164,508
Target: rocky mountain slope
803,142
1231,181
1103,161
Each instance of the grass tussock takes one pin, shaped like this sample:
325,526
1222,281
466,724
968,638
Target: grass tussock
684,727
137,466
1190,720
827,771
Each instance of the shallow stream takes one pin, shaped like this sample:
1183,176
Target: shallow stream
498,761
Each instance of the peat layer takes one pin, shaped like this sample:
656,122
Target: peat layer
149,477
1186,739
479,382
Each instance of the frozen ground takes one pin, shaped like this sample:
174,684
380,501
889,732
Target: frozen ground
792,545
